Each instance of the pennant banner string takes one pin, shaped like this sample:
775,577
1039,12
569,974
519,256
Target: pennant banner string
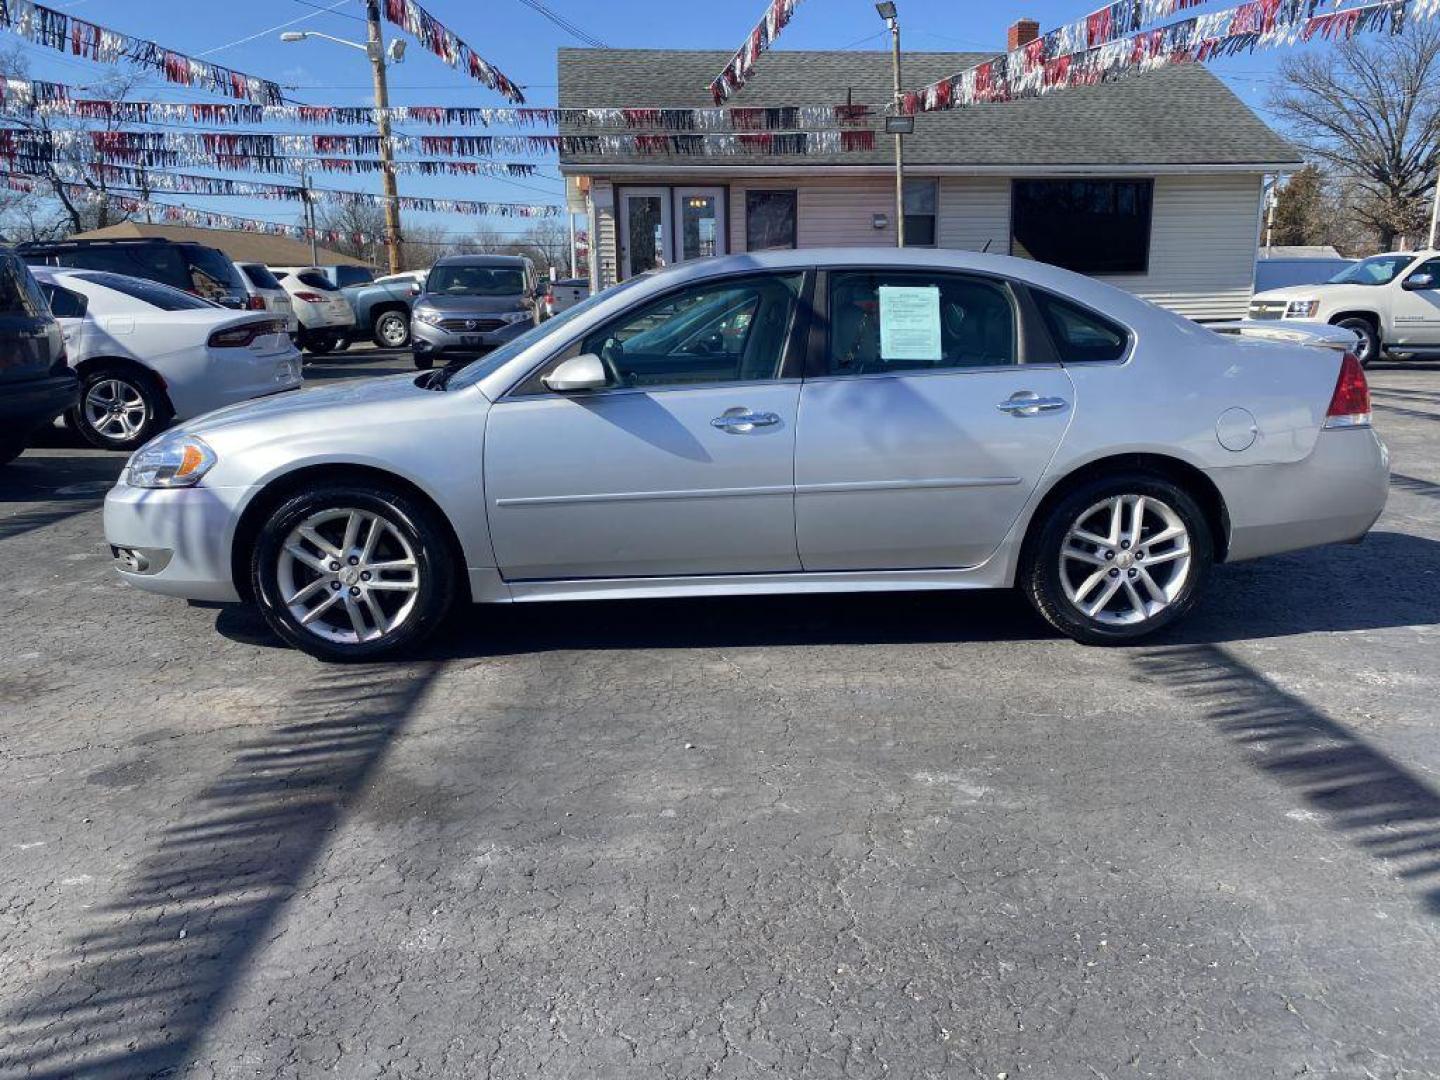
436,37
67,33
737,72
58,99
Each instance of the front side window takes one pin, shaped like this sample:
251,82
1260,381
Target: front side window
147,292
770,220
1080,334
64,304
921,198
19,292
476,281
730,331
906,321
1089,226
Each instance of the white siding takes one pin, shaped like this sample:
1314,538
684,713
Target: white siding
832,211
974,212
1202,245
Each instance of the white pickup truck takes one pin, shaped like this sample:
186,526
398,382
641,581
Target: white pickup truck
1391,302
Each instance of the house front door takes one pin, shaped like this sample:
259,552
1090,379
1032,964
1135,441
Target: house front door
644,230
660,226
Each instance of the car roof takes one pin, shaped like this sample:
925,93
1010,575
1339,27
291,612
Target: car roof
481,260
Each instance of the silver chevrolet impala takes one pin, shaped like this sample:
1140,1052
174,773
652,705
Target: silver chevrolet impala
800,421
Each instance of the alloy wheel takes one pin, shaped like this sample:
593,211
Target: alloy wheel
393,331
348,576
115,409
1125,560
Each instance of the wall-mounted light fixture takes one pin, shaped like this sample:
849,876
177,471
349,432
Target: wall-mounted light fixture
879,221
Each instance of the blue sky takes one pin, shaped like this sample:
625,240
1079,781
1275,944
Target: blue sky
522,43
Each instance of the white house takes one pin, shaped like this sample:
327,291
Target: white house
1153,182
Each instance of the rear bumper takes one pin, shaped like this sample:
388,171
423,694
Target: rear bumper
182,538
28,406
1333,496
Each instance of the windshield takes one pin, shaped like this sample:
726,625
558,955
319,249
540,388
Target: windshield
476,281
1377,270
149,292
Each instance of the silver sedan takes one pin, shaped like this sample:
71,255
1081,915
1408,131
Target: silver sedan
804,421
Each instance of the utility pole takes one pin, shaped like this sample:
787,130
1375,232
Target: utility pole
887,12
1435,212
310,216
376,52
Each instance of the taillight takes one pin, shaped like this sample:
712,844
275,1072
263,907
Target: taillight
309,297
237,337
255,303
1350,404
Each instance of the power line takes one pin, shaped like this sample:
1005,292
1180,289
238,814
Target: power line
279,26
565,24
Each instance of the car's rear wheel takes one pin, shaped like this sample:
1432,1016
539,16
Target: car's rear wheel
1367,348
1118,559
392,330
120,408
352,572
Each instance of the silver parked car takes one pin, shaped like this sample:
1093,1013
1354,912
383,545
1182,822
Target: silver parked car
471,304
800,421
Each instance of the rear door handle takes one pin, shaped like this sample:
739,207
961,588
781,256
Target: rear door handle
740,421
1029,403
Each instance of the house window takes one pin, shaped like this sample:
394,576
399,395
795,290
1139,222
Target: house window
920,202
1090,226
769,220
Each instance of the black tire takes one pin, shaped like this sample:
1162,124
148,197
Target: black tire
146,409
416,523
1369,347
391,330
319,342
1045,583
423,363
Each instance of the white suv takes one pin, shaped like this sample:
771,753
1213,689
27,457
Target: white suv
1391,302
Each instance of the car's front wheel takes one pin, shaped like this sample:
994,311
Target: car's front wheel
392,330
352,572
120,409
1118,559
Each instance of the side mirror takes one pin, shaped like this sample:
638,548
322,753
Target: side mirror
415,290
1418,281
583,372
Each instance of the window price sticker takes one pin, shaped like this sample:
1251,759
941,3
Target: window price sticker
910,322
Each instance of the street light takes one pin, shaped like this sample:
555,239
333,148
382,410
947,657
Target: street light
375,49
887,11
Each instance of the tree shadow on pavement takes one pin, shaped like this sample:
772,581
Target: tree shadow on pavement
1381,807
131,995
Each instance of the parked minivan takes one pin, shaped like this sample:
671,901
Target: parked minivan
471,304
36,383
194,268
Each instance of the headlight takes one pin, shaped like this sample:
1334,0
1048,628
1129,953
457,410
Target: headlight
1302,309
431,318
171,461
514,316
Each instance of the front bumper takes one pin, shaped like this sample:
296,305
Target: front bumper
427,340
1333,496
175,541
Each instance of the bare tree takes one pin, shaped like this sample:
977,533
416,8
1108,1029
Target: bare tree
360,225
1371,112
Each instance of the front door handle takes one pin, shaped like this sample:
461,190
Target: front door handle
740,421
1029,403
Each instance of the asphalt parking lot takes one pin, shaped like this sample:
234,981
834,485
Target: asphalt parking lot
905,836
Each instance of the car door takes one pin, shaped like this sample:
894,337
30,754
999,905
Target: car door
923,432
684,465
1416,312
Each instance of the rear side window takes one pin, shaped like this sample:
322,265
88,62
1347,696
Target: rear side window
260,276
1080,334
64,304
19,292
148,292
211,274
315,281
890,321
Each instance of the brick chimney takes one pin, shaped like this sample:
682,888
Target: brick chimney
1022,32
